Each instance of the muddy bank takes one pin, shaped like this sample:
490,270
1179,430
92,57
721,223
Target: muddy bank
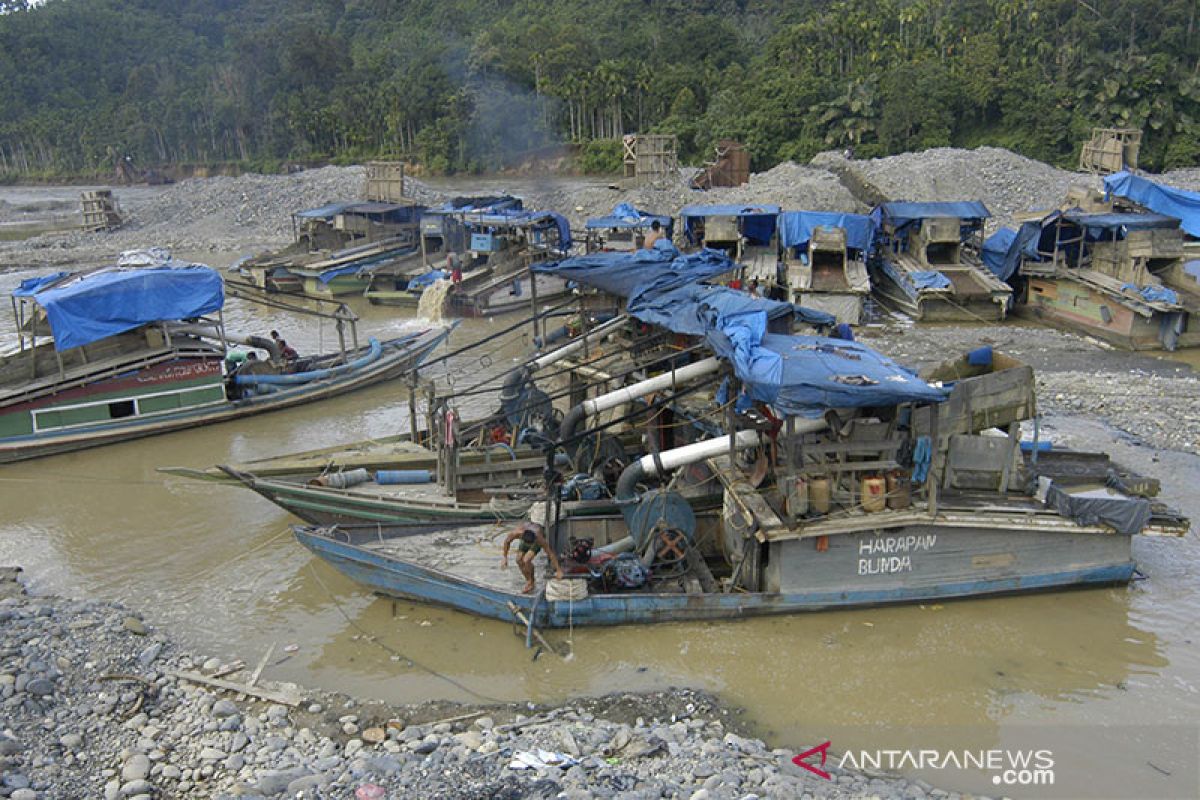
95,707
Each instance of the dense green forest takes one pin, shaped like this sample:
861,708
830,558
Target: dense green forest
473,84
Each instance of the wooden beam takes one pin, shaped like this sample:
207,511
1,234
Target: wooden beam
284,698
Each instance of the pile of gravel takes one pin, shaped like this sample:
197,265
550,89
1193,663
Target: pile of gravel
92,708
789,185
1007,183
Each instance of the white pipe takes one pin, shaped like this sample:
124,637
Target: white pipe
697,451
664,381
569,349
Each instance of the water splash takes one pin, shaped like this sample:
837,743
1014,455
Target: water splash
432,306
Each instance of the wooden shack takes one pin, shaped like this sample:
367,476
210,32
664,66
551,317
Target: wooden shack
1111,150
650,158
100,211
730,167
385,182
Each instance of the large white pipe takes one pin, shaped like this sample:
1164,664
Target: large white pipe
666,380
575,346
697,451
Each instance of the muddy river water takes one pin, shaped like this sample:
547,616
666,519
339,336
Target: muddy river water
1108,678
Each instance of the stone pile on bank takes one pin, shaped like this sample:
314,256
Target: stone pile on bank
93,707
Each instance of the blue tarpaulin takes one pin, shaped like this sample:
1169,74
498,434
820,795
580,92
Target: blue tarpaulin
795,374
519,218
323,212
796,227
100,304
695,308
756,223
899,214
1153,294
662,267
929,279
1169,200
995,253
461,205
30,286
421,281
626,217
804,375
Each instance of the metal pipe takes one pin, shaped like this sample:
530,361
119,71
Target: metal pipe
575,346
627,394
649,466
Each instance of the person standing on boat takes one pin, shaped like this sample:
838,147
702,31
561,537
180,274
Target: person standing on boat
454,267
653,236
533,541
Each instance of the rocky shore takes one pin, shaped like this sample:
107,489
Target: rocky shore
94,705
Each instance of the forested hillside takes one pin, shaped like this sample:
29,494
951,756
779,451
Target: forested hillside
470,84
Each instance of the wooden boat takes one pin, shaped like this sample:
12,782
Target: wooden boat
1103,274
775,549
926,263
825,259
867,485
747,234
339,249
120,353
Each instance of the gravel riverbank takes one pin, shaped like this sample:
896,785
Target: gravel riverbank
94,707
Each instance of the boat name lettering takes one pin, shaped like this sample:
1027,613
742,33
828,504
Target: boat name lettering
885,565
176,371
886,545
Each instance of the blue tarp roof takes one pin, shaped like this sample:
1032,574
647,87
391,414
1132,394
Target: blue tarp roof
900,214
96,305
995,253
796,227
661,268
804,375
323,212
1178,203
1119,221
460,205
1003,250
625,216
729,211
795,374
757,222
521,218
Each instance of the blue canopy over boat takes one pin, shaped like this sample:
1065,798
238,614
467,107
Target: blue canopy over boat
625,217
804,375
1169,200
91,306
797,375
486,203
1036,240
796,227
899,214
757,222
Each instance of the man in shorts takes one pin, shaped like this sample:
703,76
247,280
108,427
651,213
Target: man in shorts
532,542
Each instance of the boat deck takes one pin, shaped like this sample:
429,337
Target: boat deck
472,554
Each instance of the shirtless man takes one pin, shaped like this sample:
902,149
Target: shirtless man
653,236
532,542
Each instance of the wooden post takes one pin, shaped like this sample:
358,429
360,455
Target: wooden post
931,480
412,405
533,302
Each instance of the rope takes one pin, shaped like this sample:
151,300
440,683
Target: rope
370,637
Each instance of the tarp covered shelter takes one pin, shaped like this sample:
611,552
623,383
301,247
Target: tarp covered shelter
625,217
91,306
797,375
796,228
1169,200
755,222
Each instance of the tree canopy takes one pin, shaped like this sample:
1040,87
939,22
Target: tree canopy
474,84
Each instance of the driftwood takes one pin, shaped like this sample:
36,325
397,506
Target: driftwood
283,698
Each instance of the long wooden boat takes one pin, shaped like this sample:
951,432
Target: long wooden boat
825,262
847,481
119,364
926,263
